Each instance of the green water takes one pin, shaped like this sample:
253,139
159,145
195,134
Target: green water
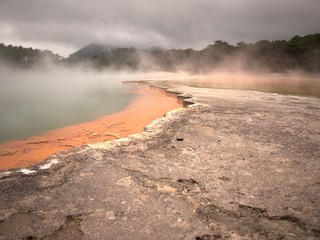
33,102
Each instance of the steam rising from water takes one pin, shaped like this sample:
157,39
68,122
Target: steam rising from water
37,100
295,83
34,101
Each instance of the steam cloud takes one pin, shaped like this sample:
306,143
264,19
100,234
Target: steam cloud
50,96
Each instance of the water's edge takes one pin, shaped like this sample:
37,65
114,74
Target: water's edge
55,160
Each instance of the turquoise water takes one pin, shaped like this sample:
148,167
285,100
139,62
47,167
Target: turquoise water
33,102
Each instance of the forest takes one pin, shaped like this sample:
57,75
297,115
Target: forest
278,56
26,57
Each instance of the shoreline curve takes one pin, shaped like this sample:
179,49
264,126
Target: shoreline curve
19,155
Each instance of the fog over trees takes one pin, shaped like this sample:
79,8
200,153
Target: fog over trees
298,53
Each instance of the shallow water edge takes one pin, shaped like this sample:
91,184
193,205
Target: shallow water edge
149,105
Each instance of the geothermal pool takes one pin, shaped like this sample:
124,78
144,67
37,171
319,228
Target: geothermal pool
34,102
42,114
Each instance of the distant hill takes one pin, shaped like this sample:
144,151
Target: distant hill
104,56
95,50
298,53
91,51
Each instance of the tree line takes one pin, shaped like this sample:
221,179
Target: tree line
25,57
300,52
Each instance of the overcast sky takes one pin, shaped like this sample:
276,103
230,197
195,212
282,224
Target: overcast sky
64,26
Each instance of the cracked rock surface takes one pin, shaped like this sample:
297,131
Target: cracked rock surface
235,165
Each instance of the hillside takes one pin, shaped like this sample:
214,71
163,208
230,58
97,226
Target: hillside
91,51
298,53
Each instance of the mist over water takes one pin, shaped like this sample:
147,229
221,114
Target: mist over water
40,99
35,101
294,83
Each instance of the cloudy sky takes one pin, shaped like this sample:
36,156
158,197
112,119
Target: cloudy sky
64,26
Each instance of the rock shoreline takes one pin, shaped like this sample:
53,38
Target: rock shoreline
232,165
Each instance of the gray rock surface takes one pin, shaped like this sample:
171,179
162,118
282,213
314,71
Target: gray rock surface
235,165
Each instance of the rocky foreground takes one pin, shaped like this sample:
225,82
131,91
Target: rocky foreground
233,165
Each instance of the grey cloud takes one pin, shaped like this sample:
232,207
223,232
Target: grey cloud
167,23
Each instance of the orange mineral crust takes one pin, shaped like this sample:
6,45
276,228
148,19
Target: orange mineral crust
150,104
